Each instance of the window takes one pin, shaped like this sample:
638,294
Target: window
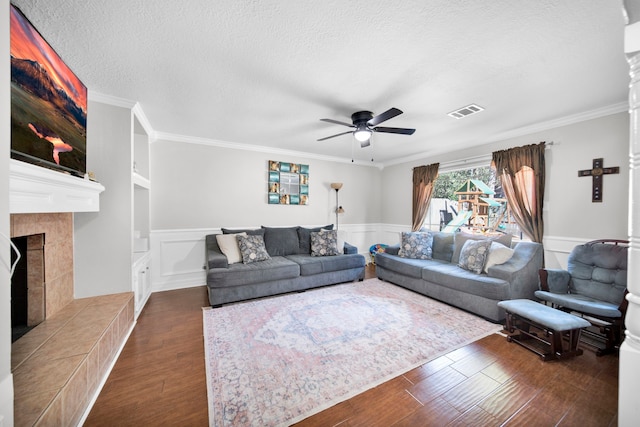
470,199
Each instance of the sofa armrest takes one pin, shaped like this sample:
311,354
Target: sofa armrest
349,249
554,280
392,249
521,271
213,255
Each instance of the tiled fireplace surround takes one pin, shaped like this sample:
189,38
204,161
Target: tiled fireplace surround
58,260
58,367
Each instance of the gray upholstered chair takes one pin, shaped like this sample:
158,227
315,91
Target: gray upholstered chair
594,286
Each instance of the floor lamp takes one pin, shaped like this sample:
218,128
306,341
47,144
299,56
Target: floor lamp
337,186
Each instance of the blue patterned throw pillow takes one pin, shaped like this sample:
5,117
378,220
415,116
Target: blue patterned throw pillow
417,245
252,248
474,255
324,243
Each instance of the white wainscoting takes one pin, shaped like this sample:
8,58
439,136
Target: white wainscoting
558,248
178,256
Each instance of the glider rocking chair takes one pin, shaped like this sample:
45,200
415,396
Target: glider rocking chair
594,286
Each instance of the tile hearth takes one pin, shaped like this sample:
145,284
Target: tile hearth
58,366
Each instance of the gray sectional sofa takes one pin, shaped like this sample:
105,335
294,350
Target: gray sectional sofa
443,279
290,266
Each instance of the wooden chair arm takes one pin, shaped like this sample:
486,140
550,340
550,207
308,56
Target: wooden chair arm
544,285
623,305
615,242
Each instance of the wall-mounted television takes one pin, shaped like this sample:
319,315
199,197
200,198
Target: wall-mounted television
48,103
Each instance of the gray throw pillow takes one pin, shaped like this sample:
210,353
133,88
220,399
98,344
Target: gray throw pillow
252,248
249,231
281,241
324,243
417,245
304,236
474,255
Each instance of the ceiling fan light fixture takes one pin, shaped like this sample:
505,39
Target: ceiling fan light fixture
362,134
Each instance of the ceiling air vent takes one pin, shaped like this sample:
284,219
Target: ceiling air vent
465,111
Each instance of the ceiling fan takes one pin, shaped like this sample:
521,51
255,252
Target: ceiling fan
365,124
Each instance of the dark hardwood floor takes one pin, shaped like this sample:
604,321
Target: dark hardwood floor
159,379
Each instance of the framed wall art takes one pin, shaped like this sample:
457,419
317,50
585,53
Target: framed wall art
288,183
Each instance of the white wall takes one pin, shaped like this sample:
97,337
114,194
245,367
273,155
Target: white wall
202,186
570,217
196,189
6,382
102,254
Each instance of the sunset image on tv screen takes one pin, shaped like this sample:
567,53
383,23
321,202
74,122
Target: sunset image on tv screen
48,103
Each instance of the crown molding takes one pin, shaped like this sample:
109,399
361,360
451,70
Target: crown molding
562,121
144,121
256,148
526,130
110,100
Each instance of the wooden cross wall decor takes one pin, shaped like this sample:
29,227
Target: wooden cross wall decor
597,172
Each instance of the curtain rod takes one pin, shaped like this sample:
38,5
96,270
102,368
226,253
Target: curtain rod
477,161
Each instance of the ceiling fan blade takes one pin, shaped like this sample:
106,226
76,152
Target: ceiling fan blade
337,122
333,136
403,131
389,114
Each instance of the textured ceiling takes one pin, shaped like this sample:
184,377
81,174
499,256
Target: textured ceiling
264,72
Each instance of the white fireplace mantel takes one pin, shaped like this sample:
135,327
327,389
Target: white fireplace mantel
34,189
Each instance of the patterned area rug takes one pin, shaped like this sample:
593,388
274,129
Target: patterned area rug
276,361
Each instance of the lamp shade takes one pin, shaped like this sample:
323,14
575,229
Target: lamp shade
336,185
362,134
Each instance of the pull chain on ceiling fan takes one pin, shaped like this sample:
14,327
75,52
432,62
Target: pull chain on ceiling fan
364,124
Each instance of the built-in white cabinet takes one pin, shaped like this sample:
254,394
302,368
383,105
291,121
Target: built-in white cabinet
141,279
140,187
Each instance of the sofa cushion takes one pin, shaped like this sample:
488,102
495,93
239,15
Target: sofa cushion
460,238
416,245
281,241
454,277
407,266
443,246
228,245
474,255
304,237
581,303
252,248
276,268
324,243
310,265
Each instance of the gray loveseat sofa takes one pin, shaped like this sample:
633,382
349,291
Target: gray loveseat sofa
443,279
290,266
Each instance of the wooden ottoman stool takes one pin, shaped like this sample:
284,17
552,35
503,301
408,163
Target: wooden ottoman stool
555,324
